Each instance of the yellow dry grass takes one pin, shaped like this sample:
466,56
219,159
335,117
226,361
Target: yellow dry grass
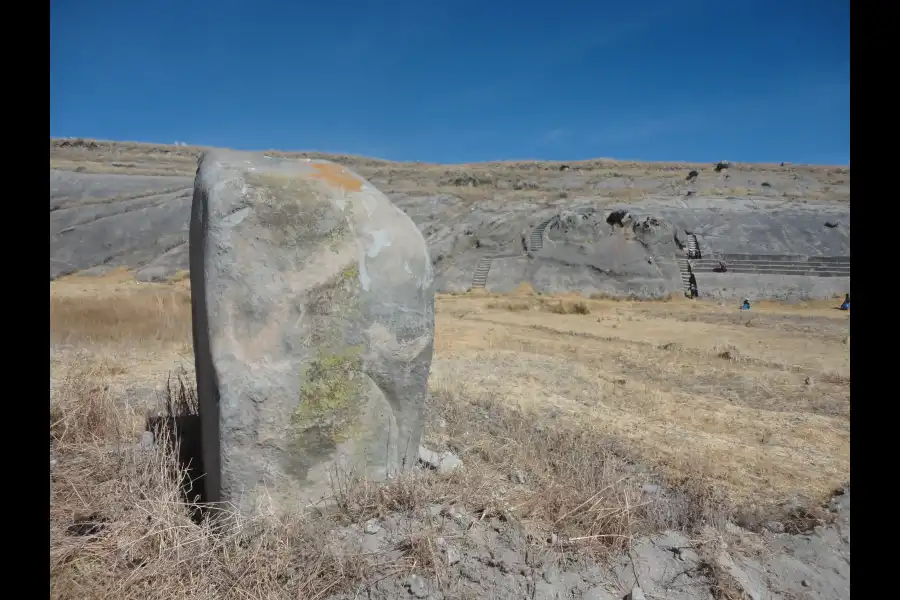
568,392
696,389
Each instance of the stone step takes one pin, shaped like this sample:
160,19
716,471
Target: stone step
780,272
479,279
829,259
782,265
702,263
730,257
770,263
770,267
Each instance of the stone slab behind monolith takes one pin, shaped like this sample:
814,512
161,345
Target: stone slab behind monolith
313,308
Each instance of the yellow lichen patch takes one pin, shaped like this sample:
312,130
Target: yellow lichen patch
351,271
337,176
330,398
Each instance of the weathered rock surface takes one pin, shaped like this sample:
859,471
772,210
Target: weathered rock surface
497,559
468,214
313,328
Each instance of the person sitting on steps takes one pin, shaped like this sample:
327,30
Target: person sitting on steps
846,303
692,285
746,304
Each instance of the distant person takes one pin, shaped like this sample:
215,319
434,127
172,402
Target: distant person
692,286
746,304
846,304
722,268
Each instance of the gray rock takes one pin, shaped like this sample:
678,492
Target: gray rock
152,274
450,553
750,587
442,462
636,594
372,526
774,526
597,593
459,516
418,587
547,591
734,529
313,308
650,489
147,443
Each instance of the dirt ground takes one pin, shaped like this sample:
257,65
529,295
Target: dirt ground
569,414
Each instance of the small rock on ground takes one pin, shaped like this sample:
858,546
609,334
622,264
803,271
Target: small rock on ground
636,594
418,587
442,462
372,526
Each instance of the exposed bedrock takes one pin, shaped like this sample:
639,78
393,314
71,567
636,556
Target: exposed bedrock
100,221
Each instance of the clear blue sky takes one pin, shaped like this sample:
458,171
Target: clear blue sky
460,80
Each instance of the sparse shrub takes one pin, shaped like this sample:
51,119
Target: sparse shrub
581,308
82,408
727,352
567,307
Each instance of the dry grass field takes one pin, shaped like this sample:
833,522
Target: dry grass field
561,409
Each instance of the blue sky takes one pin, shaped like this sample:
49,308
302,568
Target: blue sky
460,80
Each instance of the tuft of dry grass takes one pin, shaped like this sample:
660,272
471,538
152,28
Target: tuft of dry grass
559,306
82,408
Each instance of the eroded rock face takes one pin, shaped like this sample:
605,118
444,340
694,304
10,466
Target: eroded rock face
313,301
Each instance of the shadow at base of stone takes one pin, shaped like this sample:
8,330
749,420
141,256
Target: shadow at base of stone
182,432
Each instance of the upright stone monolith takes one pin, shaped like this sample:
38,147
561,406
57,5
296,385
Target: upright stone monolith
313,306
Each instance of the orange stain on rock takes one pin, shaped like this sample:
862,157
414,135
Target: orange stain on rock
336,176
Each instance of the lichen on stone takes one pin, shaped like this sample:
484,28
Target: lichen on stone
330,398
296,209
351,271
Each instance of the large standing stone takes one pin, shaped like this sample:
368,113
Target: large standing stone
313,306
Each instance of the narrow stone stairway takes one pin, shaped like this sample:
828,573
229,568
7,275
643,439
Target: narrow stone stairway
536,240
693,247
479,280
685,269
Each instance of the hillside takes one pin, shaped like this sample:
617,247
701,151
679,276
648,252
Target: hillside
117,204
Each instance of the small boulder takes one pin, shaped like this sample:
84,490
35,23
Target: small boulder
617,217
442,462
417,586
774,526
372,526
636,594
